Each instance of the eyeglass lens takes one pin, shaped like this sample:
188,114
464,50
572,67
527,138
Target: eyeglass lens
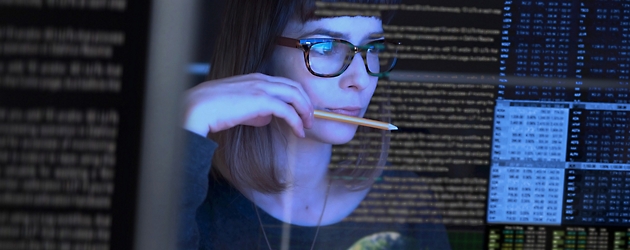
333,56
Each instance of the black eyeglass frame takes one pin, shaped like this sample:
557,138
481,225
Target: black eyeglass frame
306,44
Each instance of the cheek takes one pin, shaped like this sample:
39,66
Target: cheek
369,91
316,91
289,63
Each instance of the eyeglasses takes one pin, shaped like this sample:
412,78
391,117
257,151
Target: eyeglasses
328,57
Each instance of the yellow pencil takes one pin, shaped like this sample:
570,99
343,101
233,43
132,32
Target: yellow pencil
354,120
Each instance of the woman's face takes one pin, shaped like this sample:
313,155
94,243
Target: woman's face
349,93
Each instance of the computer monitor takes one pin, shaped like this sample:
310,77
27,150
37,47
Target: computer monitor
89,112
514,114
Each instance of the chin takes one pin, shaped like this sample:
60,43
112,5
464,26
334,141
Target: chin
332,132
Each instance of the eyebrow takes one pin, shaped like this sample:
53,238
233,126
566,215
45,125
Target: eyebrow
334,34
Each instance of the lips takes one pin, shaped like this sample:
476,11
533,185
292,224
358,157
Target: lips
356,112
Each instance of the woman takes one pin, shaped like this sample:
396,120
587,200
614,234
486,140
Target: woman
275,63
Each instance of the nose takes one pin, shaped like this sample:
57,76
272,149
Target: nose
356,76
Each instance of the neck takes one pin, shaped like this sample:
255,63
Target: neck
304,163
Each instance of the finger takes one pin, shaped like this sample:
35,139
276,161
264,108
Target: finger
308,116
282,88
283,111
258,121
268,78
295,101
293,95
289,82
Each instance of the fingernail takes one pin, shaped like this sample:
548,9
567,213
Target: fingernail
302,133
312,120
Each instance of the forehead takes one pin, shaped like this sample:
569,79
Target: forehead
351,28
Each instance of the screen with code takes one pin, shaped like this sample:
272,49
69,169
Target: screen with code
523,107
514,114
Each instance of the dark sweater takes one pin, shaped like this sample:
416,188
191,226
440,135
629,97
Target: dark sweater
217,216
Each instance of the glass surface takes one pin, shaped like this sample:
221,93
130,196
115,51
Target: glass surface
513,117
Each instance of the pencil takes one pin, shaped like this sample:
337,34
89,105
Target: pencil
354,120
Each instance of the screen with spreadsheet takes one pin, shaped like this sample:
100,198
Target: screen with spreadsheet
515,113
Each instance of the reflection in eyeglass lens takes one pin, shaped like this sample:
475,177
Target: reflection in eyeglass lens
331,57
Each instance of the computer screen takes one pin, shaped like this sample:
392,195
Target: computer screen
88,115
513,115
529,140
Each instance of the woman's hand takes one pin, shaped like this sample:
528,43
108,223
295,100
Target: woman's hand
251,99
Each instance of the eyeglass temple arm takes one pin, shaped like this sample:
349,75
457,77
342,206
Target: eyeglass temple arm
289,42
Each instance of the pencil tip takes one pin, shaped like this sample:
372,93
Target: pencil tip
392,127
